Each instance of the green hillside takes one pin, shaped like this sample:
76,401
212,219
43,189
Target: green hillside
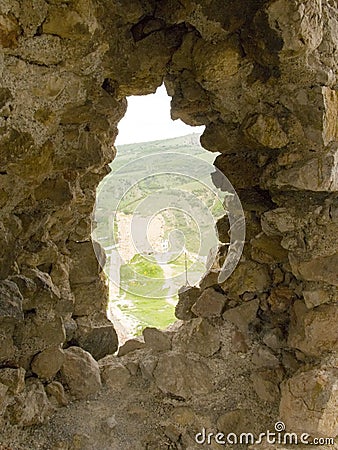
142,184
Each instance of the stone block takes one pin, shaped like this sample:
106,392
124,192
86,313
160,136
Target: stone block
209,304
157,339
177,374
47,363
81,373
309,402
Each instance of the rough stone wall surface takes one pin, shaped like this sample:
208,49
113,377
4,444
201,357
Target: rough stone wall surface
262,77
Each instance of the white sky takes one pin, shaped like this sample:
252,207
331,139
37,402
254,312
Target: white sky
148,119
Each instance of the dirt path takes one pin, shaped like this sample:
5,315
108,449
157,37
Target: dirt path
124,324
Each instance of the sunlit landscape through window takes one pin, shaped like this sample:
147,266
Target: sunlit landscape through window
154,215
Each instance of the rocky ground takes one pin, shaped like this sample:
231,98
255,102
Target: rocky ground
161,390
157,397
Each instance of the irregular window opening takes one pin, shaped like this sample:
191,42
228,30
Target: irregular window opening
155,215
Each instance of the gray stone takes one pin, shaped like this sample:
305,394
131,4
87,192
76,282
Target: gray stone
156,339
238,342
83,273
115,375
56,393
209,304
309,402
242,315
198,336
186,299
177,374
130,346
78,362
32,406
148,365
99,341
274,338
265,386
263,357
47,363
10,302
314,331
14,379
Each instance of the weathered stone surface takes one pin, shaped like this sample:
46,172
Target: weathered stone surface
14,379
89,298
148,365
265,386
198,336
314,174
47,363
317,269
224,60
7,347
238,342
10,302
277,221
268,249
4,399
183,415
241,169
179,375
306,31
83,273
115,375
9,31
330,127
249,276
266,131
156,339
274,339
32,406
237,421
242,315
37,287
56,393
78,362
314,331
280,299
97,339
263,357
38,332
309,402
130,346
316,297
187,298
75,24
209,304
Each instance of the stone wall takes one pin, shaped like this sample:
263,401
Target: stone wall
262,77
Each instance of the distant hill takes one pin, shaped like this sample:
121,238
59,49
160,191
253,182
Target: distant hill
132,164
189,144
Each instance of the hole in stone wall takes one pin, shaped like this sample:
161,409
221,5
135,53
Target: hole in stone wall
155,215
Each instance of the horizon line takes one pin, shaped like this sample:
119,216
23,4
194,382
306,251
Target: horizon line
159,140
